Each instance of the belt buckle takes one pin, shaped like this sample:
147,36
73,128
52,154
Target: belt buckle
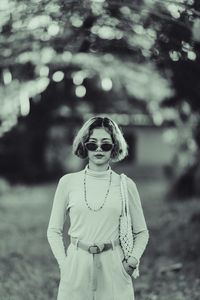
94,249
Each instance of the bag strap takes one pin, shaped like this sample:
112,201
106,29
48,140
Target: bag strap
124,191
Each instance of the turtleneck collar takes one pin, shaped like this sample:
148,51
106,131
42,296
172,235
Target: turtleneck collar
91,172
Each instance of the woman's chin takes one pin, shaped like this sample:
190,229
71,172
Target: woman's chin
99,161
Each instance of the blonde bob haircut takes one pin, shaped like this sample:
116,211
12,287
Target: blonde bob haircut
120,149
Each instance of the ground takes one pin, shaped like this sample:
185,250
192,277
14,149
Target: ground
169,267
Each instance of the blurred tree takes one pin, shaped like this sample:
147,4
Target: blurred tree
100,41
177,51
95,51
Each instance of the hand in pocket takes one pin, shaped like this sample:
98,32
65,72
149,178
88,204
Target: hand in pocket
128,268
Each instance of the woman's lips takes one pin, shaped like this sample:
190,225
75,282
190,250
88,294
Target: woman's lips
99,155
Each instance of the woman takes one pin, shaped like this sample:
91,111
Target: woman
93,267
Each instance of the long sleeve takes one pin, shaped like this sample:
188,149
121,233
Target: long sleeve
140,230
56,222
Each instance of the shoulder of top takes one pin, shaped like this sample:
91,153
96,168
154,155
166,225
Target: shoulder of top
130,181
69,176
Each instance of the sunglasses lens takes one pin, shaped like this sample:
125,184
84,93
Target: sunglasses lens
94,146
106,147
91,146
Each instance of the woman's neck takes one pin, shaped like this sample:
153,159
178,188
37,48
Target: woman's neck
100,168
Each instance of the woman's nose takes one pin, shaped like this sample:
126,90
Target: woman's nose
99,147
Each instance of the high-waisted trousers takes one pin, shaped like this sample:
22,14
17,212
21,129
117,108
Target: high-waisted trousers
102,276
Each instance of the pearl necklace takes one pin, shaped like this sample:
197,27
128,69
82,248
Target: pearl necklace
85,196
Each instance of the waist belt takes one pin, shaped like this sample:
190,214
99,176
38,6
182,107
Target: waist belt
94,248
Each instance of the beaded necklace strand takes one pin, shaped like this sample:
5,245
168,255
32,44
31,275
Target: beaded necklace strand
85,196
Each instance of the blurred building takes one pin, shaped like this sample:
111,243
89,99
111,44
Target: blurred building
38,152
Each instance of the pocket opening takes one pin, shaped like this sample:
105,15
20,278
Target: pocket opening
121,257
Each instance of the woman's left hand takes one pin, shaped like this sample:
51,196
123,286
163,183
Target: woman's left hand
132,261
129,269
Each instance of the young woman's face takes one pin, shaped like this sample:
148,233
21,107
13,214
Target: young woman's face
99,156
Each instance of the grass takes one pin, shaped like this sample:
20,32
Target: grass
27,268
169,268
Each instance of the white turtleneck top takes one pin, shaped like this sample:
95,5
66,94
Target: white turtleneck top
89,226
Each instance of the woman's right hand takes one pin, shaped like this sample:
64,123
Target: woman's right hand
62,266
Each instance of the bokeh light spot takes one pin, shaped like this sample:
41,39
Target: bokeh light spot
78,78
76,21
80,91
44,71
106,84
174,55
106,32
174,10
24,103
39,21
53,29
58,76
7,76
67,56
191,55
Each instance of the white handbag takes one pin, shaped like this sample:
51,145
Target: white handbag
126,235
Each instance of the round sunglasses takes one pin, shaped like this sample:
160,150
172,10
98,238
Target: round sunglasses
92,146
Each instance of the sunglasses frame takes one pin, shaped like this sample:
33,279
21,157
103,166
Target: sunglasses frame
98,146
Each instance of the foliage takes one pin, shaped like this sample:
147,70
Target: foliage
38,38
129,51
